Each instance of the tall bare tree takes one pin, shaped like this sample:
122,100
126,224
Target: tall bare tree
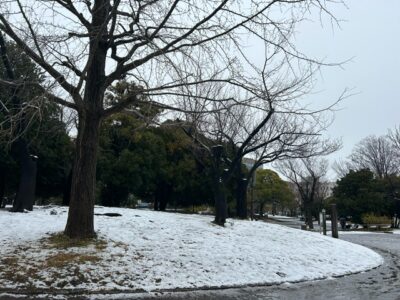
394,137
307,175
378,154
85,46
280,129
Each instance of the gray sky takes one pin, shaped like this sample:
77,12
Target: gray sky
370,35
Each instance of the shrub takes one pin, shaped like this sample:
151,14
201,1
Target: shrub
371,218
199,209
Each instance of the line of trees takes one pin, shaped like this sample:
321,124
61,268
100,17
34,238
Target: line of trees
308,177
155,164
360,192
171,50
380,154
31,128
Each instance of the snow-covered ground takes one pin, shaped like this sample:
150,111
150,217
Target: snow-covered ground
280,217
154,251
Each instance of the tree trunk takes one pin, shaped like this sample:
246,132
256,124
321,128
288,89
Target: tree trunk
241,195
220,202
25,196
2,189
218,187
163,204
261,210
81,207
67,189
27,184
156,203
308,214
162,196
274,210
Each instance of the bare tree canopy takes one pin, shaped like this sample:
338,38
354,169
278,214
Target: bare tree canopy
159,44
394,137
307,175
168,48
378,154
283,129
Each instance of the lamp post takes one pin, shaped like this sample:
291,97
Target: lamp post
220,202
334,220
323,221
252,185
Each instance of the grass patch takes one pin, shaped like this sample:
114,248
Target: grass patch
61,241
61,260
50,259
100,245
121,245
16,273
9,261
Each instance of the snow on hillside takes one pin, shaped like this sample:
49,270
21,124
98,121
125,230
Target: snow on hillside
153,251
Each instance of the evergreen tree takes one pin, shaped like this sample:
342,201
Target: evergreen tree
271,190
359,192
39,132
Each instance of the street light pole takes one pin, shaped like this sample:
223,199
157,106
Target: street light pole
334,219
253,184
324,221
220,200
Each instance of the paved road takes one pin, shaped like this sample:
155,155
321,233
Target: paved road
380,283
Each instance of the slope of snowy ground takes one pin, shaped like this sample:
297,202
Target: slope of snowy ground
150,251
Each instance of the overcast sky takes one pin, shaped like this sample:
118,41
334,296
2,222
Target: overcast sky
370,35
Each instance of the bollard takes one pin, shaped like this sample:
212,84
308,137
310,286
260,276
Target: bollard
320,222
324,221
335,232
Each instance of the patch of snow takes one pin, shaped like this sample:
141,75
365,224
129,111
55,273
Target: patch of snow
280,217
152,251
357,232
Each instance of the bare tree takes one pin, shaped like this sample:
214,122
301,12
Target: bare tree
274,133
85,46
341,167
377,154
324,190
307,175
270,122
394,137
